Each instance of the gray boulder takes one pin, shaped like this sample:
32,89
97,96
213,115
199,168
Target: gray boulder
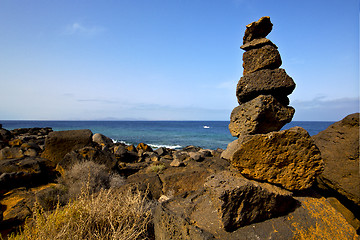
102,140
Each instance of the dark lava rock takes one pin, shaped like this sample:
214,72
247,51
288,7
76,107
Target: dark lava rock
240,201
263,114
267,57
265,82
257,43
100,156
25,172
59,143
122,154
339,147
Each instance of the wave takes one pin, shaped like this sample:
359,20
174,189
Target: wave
165,146
156,146
121,141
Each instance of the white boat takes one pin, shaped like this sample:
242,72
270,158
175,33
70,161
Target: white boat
206,127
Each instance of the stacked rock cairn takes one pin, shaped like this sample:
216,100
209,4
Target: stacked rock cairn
262,91
288,158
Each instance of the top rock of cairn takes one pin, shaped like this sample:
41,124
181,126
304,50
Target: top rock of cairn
256,30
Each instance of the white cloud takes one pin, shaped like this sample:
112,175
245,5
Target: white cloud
77,28
323,109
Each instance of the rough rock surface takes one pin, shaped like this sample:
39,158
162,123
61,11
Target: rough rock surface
25,172
263,114
100,156
240,201
169,225
124,155
264,82
266,57
59,143
102,140
339,147
288,158
259,29
313,218
231,148
257,43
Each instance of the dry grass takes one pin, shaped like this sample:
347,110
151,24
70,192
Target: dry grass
108,214
94,175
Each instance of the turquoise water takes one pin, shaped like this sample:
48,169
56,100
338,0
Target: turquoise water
172,134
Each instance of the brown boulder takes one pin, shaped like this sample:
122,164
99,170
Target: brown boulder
266,57
288,158
144,147
25,172
11,153
339,147
313,218
263,114
240,201
100,156
258,29
58,144
257,43
264,82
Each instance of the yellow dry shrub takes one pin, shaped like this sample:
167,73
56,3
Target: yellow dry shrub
108,214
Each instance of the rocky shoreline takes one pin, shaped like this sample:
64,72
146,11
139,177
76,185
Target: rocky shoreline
267,184
200,195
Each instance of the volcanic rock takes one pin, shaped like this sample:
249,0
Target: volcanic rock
58,144
257,43
264,82
11,153
100,156
266,57
263,114
144,147
25,172
288,158
124,155
259,29
102,140
240,201
339,147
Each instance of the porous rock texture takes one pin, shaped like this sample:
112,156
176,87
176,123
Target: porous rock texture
259,29
240,201
261,115
59,143
257,43
339,147
275,82
288,158
266,57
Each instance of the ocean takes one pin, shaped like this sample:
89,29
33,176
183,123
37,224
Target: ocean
170,134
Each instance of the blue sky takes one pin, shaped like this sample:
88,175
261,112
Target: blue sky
169,60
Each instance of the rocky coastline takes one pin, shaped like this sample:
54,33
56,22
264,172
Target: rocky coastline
267,184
